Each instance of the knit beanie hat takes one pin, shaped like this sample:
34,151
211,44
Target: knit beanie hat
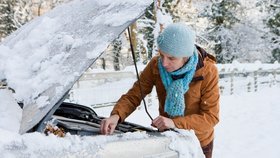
177,40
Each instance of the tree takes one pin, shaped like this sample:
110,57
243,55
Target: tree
171,7
43,6
222,15
146,27
117,46
23,12
273,23
248,40
7,23
276,54
14,13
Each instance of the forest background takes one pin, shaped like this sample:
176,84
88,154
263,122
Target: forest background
232,30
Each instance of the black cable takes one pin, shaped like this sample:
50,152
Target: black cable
134,60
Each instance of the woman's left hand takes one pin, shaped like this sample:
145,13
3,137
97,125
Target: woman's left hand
163,123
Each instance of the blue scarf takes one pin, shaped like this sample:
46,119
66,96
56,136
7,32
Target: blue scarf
175,89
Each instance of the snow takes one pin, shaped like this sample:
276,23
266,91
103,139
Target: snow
52,51
37,61
50,32
184,142
248,127
10,112
36,144
249,122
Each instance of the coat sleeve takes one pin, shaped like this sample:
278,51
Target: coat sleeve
208,115
129,101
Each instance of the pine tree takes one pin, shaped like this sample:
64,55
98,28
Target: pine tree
22,12
13,14
146,27
7,23
222,16
117,46
170,7
150,26
273,22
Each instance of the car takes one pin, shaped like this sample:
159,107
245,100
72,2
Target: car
51,52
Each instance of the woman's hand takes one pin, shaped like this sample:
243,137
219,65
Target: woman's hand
163,123
108,125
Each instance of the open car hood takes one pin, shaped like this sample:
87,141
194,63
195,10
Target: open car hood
44,58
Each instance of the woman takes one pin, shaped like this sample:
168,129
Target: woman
186,81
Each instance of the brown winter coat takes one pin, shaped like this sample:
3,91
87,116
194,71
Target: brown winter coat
201,100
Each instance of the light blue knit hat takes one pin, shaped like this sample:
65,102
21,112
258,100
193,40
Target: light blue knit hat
177,39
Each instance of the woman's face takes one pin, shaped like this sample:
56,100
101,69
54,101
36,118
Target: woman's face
171,63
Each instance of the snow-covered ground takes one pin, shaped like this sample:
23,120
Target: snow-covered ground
249,125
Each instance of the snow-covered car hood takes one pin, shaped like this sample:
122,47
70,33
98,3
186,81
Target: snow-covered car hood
43,59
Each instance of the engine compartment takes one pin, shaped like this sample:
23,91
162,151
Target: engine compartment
81,120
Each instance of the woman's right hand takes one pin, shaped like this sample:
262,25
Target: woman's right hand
108,125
